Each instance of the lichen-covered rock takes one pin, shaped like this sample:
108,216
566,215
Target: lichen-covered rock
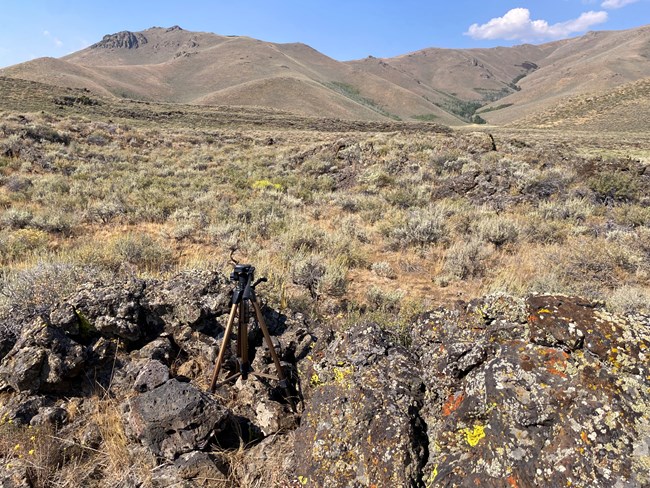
361,425
497,392
43,359
113,311
175,418
565,404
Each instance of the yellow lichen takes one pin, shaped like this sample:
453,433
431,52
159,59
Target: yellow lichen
473,436
432,476
341,375
315,380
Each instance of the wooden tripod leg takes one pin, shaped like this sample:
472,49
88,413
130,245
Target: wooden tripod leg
224,346
269,342
283,381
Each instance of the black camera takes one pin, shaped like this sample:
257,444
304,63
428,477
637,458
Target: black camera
243,274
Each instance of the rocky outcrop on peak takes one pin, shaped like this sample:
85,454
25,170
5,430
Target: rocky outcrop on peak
500,391
121,40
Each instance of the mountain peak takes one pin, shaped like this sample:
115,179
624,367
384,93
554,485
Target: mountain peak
121,40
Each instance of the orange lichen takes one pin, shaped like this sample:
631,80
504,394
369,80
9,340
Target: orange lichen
453,402
512,481
556,363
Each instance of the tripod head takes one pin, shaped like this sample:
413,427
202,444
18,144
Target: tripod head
243,275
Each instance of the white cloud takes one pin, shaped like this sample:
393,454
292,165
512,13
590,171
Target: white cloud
612,4
57,42
516,25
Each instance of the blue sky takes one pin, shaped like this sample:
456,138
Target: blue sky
344,30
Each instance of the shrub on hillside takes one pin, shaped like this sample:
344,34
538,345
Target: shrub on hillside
140,250
578,209
615,186
42,133
383,269
421,227
498,230
629,299
15,218
466,259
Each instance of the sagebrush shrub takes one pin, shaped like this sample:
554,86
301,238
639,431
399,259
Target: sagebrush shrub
420,227
620,186
140,250
498,230
384,300
466,259
383,269
578,209
629,299
16,218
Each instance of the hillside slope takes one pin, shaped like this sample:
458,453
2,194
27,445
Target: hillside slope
624,108
448,86
174,65
592,64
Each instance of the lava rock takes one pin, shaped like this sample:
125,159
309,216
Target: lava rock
361,425
43,359
175,418
153,374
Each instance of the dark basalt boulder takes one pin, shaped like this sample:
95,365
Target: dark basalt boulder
43,360
361,425
191,308
112,311
563,403
175,418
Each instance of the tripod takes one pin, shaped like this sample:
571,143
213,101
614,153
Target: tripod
243,295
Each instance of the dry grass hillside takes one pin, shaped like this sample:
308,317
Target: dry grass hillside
592,64
174,65
625,107
448,86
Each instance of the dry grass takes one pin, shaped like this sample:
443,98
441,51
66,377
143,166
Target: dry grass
317,212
